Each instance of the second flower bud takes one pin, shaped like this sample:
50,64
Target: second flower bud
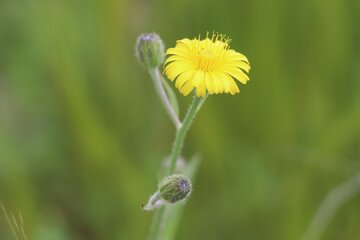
171,189
149,50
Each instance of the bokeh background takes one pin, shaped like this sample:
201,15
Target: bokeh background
83,133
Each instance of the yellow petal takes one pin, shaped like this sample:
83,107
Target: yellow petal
185,41
226,83
176,51
236,73
179,64
218,83
177,58
238,64
229,83
237,56
209,83
198,78
184,44
201,89
187,88
233,87
173,69
183,77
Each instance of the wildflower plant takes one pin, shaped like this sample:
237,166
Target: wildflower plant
202,66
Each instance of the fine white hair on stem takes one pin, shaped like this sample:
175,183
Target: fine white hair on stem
154,202
331,203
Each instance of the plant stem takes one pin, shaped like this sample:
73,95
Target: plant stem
155,227
159,217
181,133
156,77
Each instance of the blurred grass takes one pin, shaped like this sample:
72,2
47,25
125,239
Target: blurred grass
82,132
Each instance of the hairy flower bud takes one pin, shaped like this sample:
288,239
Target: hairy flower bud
149,50
171,189
175,188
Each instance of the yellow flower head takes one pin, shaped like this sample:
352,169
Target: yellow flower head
207,65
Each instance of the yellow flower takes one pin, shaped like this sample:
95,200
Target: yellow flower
207,65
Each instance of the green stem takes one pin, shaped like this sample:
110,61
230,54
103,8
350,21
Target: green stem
156,77
155,227
159,217
181,133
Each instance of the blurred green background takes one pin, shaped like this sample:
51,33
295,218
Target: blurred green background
83,133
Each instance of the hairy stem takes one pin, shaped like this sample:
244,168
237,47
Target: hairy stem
155,227
156,77
181,133
159,216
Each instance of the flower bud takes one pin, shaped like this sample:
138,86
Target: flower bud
170,190
149,50
175,188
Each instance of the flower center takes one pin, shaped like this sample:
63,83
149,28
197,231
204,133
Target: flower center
207,60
